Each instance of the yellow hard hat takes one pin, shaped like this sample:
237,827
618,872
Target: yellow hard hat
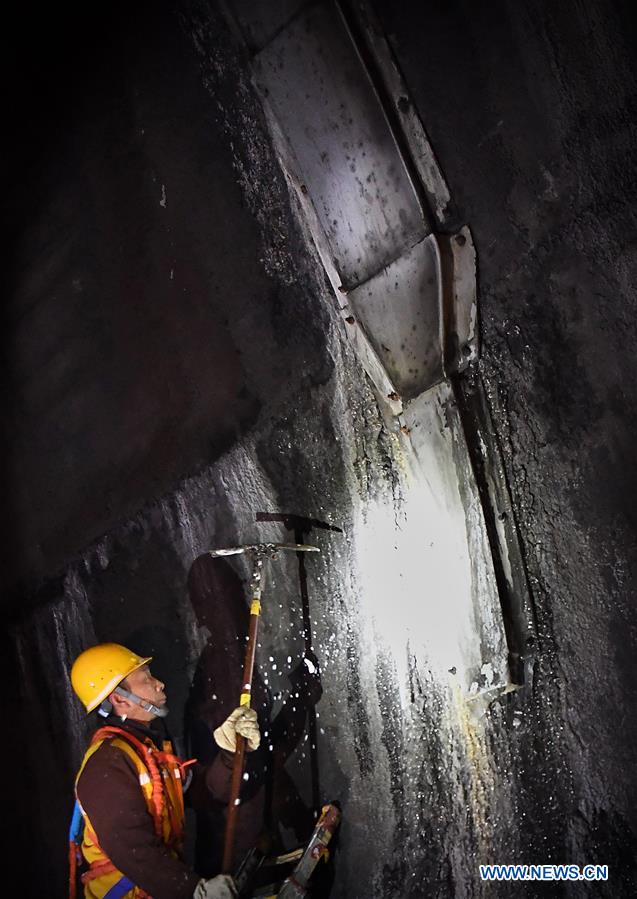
98,670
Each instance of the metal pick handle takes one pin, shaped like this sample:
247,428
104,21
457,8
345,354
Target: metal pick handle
264,549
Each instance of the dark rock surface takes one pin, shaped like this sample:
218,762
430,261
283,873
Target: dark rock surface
152,417
531,111
135,283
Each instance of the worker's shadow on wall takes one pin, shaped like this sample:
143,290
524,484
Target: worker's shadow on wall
270,800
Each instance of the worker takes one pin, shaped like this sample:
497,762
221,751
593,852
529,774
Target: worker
270,799
130,790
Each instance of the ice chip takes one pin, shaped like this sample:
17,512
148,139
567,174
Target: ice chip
309,664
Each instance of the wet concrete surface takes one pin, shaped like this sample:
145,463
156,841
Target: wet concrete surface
538,153
530,109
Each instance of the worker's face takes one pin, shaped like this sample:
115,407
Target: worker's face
144,685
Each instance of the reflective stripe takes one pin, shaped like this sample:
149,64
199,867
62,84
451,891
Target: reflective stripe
144,778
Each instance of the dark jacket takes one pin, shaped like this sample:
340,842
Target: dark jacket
109,792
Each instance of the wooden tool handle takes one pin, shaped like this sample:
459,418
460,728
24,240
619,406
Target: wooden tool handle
233,805
240,750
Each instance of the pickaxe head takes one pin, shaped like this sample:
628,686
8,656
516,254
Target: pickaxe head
297,523
258,552
264,549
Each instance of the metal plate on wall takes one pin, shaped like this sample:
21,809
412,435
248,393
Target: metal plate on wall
399,309
348,161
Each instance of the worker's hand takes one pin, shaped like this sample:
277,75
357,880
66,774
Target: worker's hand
242,721
306,680
220,887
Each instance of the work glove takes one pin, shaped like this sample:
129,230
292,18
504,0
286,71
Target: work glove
242,721
220,887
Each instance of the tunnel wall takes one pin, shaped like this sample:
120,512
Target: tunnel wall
133,282
530,110
149,323
428,786
177,324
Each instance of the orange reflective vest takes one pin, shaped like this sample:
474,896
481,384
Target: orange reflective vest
160,776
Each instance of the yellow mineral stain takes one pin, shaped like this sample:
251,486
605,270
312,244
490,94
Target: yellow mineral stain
473,754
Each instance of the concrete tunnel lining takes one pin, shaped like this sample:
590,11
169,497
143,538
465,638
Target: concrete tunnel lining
169,383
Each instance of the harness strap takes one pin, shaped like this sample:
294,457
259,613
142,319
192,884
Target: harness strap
77,823
97,869
119,889
179,769
73,863
75,834
173,760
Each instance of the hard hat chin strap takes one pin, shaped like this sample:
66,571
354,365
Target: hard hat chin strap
158,711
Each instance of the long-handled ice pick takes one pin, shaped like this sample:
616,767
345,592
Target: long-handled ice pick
302,527
258,552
